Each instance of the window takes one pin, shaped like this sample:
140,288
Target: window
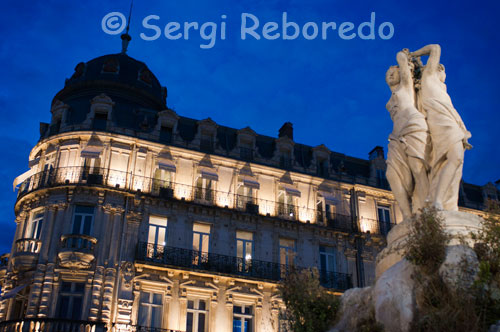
322,167
100,121
287,254
165,134
162,183
327,259
384,219
246,150
286,206
244,250
71,300
83,220
91,170
201,241
204,189
381,179
242,318
245,199
157,236
206,142
285,159
150,310
35,226
197,315
327,213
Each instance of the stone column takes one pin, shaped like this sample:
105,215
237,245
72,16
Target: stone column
35,291
107,302
47,291
96,298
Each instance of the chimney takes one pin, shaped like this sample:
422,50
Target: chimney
286,130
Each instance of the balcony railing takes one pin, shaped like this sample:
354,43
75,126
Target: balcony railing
119,180
230,265
28,246
138,328
77,251
375,226
51,325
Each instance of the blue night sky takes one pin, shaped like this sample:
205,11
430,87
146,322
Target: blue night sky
332,90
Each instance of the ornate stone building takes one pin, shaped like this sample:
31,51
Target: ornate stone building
132,217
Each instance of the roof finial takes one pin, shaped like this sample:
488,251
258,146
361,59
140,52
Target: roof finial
126,37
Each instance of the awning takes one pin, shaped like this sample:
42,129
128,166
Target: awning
168,166
209,175
329,198
20,179
292,191
13,292
251,183
91,151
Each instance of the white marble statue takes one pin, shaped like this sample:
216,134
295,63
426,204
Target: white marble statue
408,143
447,131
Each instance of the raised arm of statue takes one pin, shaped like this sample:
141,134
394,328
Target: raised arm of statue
404,69
434,53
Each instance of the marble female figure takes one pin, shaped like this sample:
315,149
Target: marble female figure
406,166
447,131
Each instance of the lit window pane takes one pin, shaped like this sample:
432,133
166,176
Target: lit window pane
196,242
202,228
154,220
244,235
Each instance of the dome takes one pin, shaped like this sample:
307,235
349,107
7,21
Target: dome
116,71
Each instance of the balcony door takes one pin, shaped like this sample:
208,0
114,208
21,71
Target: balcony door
201,243
244,250
384,219
35,226
71,300
83,220
157,236
204,189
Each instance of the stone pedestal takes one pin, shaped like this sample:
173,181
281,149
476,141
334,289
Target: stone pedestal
458,224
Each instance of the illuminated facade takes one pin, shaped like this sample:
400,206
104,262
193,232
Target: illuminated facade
132,217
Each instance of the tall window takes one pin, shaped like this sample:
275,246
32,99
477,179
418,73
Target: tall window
150,310
286,206
100,121
92,171
384,218
244,250
206,142
204,189
163,182
327,259
157,236
242,318
83,220
71,300
287,254
197,315
165,134
201,241
285,159
322,167
35,226
245,199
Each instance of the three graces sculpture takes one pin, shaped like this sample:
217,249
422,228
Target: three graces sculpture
427,144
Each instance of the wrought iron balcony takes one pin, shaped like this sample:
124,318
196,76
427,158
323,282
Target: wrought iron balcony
26,252
51,325
169,190
138,328
77,251
375,226
229,265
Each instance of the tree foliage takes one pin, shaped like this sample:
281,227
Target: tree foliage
309,306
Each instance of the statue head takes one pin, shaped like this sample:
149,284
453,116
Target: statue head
441,73
392,76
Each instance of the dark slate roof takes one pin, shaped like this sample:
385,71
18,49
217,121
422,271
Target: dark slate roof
118,70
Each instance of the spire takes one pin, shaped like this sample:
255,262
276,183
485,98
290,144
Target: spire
126,37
